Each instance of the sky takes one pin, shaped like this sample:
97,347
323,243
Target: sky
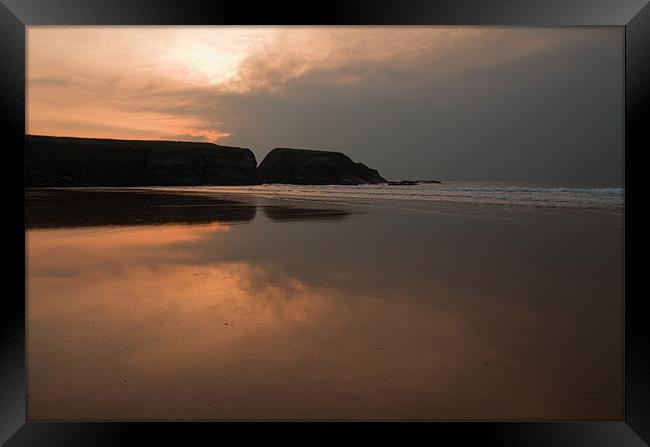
435,102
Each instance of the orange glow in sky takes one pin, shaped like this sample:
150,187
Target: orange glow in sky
185,83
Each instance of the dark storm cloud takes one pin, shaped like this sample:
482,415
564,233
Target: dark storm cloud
549,116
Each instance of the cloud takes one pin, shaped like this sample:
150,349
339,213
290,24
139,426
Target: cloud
446,102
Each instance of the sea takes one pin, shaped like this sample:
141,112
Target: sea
456,192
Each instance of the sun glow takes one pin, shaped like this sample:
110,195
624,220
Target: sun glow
209,56
211,83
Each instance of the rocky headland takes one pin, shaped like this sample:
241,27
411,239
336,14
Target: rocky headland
315,167
65,161
69,162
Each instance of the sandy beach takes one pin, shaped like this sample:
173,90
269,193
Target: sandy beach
177,306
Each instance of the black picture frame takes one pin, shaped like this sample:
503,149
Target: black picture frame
633,15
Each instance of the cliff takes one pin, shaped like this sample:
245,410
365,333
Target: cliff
311,167
65,161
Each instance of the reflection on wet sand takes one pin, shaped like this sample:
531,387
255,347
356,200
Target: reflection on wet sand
78,208
282,213
69,208
380,315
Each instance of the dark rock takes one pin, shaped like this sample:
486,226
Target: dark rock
311,167
65,161
404,182
413,182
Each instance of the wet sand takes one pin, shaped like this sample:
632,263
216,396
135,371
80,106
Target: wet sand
194,307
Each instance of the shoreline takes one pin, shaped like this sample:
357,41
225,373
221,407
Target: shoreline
583,215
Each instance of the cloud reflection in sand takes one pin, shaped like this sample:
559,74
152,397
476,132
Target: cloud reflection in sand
356,318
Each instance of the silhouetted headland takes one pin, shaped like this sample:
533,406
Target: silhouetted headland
312,167
69,162
65,161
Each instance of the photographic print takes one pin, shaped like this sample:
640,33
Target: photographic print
324,223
